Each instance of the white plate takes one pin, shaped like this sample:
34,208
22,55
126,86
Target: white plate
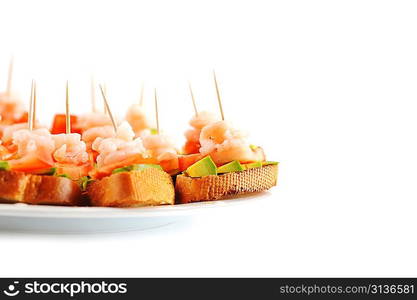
62,219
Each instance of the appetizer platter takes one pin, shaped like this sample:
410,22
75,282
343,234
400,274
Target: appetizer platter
96,161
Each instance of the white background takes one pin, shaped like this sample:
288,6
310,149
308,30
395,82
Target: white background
328,88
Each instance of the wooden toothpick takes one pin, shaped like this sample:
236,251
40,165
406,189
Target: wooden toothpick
34,105
156,112
141,94
67,112
104,89
192,98
93,94
218,95
31,106
106,104
10,76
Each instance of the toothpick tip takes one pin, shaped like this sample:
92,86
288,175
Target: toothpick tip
218,96
67,112
156,111
106,105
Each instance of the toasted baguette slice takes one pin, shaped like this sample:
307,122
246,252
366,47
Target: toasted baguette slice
35,189
215,187
133,189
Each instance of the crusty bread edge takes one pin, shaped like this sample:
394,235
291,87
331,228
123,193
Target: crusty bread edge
215,187
35,189
149,187
19,187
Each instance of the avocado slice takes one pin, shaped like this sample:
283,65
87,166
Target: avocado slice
4,166
136,167
140,167
268,163
203,167
253,165
51,171
233,166
84,182
123,169
64,175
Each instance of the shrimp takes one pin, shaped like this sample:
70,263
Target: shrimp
203,119
112,150
9,130
38,150
137,119
29,142
11,108
34,150
160,147
225,144
217,132
91,134
69,149
94,119
119,148
125,132
192,135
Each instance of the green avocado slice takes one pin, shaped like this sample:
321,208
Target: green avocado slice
233,166
84,182
51,171
268,163
253,165
136,167
201,168
124,169
4,166
64,175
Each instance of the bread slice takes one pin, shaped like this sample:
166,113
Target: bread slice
215,187
36,189
13,186
133,189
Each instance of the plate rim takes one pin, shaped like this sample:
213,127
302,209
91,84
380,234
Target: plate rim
21,210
